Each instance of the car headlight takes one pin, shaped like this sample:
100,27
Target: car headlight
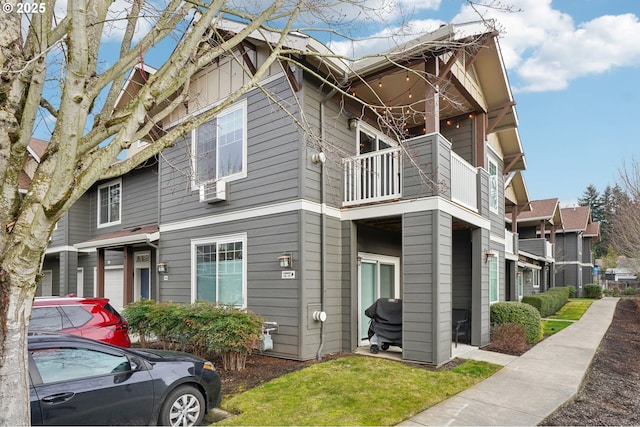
208,366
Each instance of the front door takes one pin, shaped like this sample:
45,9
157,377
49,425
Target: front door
378,277
142,283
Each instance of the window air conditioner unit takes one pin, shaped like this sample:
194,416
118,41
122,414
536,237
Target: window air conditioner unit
213,191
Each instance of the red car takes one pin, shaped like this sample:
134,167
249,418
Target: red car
92,318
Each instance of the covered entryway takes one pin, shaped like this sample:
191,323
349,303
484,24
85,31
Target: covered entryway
378,277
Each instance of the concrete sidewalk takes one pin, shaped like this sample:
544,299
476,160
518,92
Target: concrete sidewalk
529,387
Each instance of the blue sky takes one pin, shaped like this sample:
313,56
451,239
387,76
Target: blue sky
574,67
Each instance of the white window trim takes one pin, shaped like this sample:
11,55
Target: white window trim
242,237
497,195
367,128
495,259
106,185
242,104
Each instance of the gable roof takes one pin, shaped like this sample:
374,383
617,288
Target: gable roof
593,229
542,210
575,219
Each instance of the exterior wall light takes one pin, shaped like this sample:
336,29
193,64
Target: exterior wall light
286,260
352,123
488,254
162,267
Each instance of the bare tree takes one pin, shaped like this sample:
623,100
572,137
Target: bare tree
52,70
624,230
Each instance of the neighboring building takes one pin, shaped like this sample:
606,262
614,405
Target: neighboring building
104,245
516,262
574,247
251,210
537,230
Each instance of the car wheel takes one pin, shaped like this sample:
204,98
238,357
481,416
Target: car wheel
385,346
184,406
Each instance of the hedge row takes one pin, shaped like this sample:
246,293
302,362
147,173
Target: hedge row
517,312
550,301
202,328
592,291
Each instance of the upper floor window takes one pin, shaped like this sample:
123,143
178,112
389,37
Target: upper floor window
218,268
220,146
493,186
370,140
109,203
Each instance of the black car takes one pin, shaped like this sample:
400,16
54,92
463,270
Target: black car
77,381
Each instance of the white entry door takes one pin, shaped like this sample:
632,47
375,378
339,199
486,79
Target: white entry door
378,277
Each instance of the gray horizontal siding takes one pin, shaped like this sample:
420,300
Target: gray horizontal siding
268,295
139,192
273,145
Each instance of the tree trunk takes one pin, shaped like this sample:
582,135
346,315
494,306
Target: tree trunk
14,373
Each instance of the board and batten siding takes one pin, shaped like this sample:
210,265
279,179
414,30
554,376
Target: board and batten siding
273,145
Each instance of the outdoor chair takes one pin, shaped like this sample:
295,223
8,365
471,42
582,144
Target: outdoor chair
461,321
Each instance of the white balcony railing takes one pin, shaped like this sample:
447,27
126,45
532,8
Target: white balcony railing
509,242
373,177
464,182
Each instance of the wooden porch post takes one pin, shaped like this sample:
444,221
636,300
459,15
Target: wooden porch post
100,274
128,275
432,97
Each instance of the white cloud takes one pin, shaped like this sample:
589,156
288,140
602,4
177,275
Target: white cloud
384,40
544,50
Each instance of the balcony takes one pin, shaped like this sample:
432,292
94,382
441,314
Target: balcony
378,176
373,177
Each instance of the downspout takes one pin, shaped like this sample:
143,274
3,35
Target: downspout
321,158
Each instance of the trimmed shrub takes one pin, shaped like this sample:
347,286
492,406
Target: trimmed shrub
550,301
629,291
520,313
593,291
509,338
202,328
572,291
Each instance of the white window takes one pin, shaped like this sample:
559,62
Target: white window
109,203
493,279
220,146
218,270
493,186
370,140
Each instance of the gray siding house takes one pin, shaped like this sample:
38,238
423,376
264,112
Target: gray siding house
104,245
537,231
574,249
308,225
306,205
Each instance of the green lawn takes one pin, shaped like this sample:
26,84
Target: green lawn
574,309
353,390
570,312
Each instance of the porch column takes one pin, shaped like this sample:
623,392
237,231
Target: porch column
432,97
480,288
128,275
100,273
426,261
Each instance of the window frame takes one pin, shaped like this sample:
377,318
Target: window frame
108,186
494,265
372,132
493,186
196,180
218,240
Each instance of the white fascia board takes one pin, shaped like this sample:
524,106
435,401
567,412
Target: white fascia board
119,241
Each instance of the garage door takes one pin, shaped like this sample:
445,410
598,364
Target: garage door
46,284
113,286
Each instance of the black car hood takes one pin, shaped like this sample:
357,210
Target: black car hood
158,354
